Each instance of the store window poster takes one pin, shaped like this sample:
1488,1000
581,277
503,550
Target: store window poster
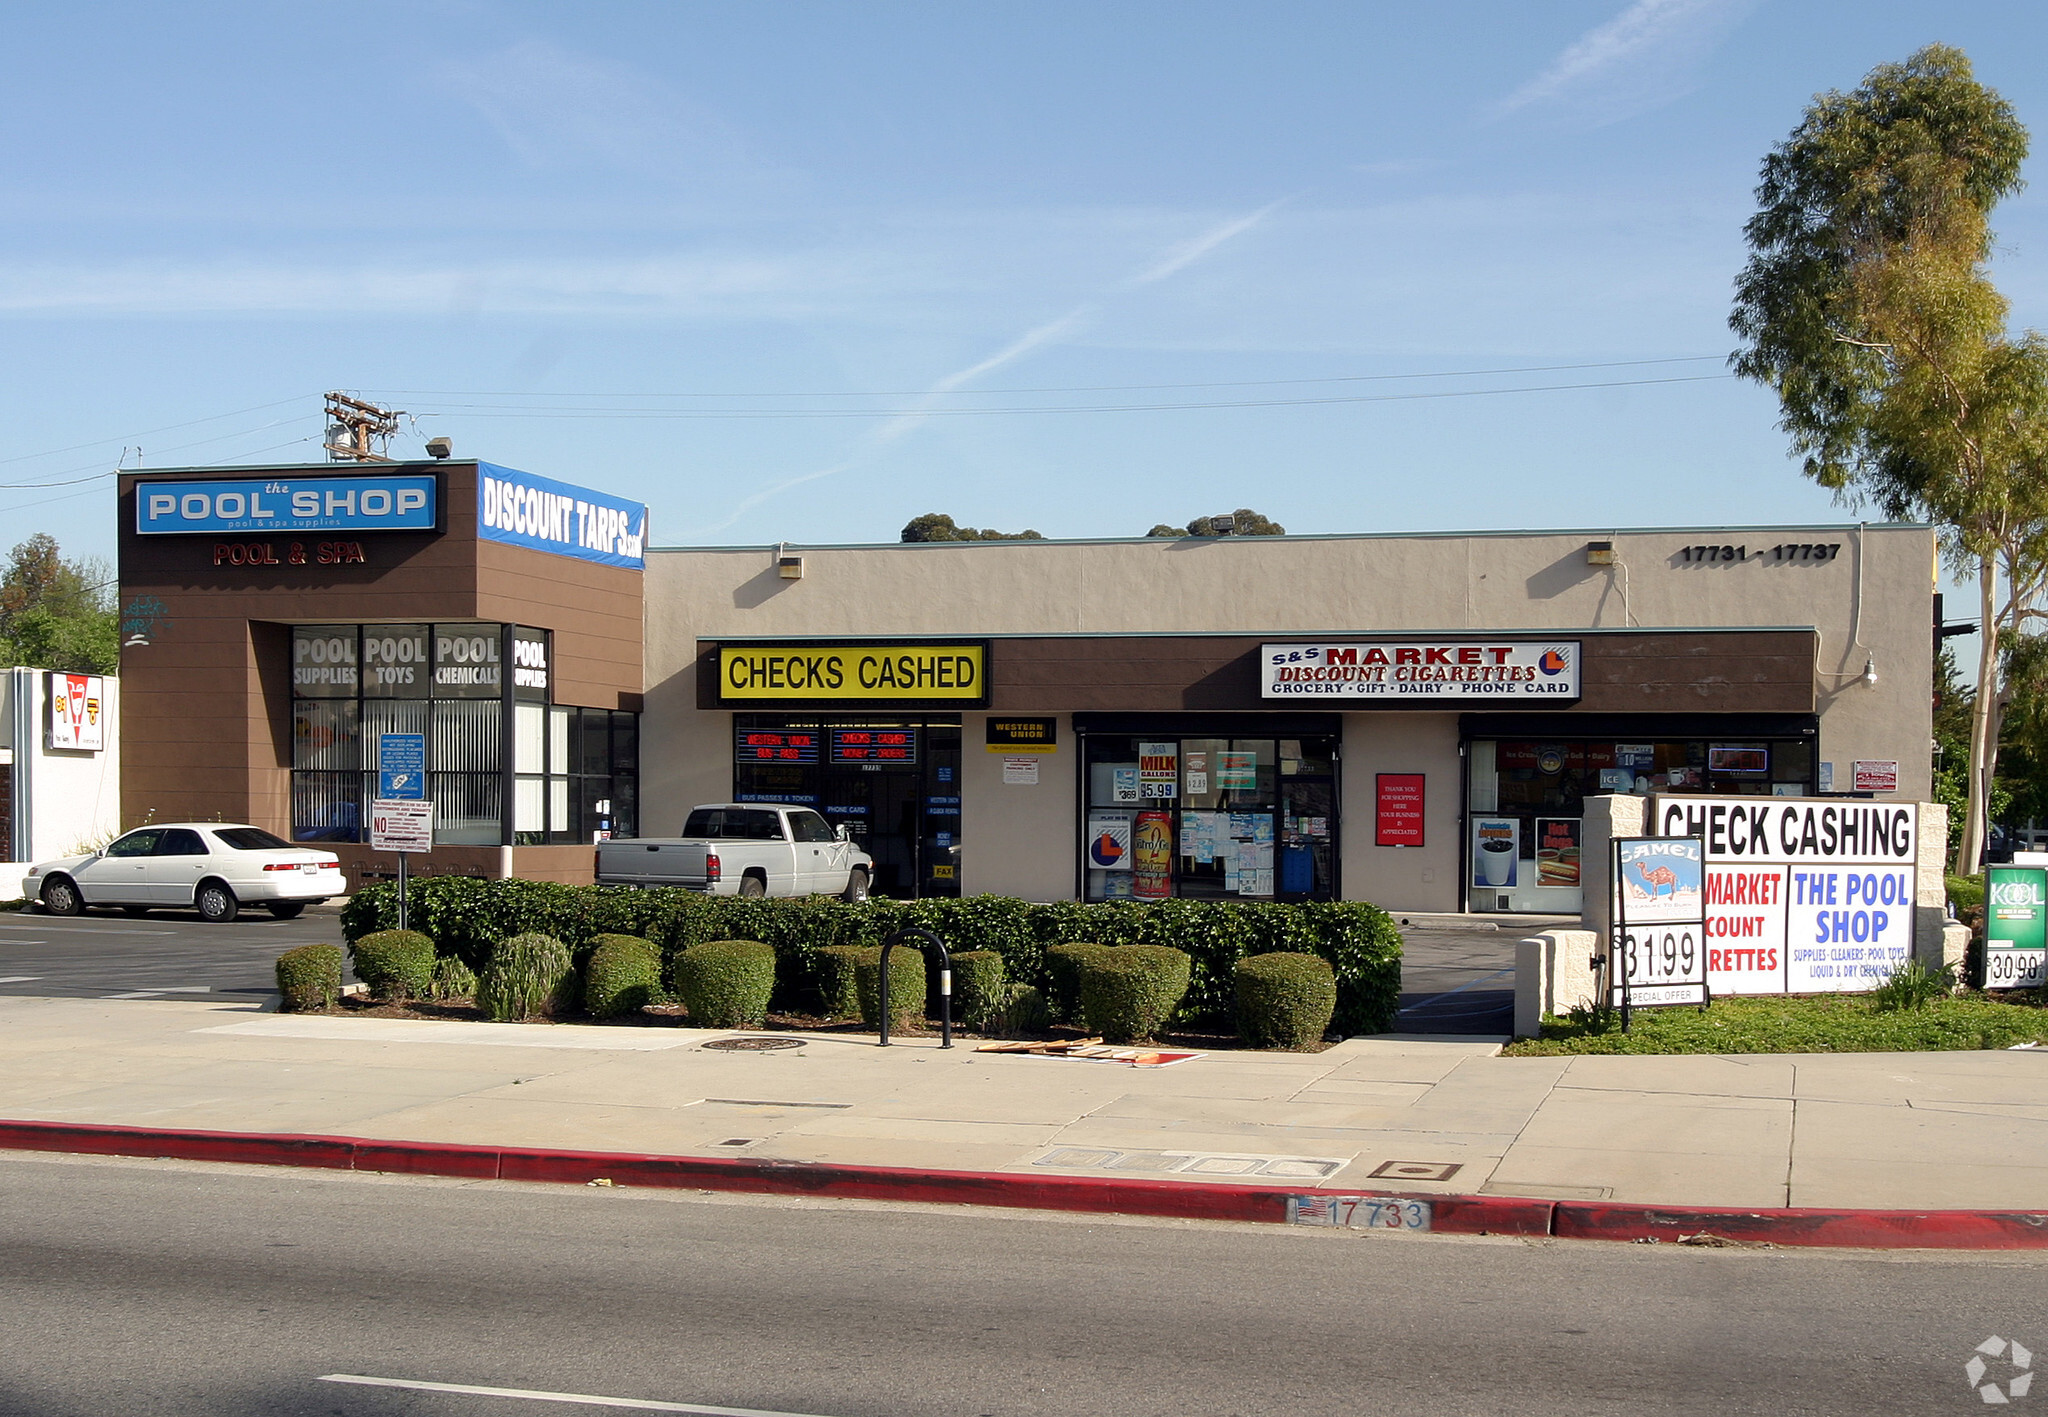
1237,772
1557,851
1109,841
1152,855
1123,784
1159,771
1496,851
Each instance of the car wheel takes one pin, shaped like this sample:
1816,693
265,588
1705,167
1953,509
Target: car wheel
217,904
286,909
856,888
61,897
753,887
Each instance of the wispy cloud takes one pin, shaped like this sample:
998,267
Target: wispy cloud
1051,332
1643,57
554,107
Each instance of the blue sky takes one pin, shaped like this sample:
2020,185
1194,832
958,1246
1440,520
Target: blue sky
758,263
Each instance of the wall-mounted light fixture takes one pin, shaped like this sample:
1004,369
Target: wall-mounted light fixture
440,448
790,568
1870,669
1599,553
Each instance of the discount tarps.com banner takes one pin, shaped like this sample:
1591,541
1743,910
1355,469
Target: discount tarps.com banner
1802,896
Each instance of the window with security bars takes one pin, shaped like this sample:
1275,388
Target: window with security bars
574,771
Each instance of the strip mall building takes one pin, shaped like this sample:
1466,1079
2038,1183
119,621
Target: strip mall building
1408,719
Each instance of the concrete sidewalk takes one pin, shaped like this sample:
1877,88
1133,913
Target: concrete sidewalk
1409,1113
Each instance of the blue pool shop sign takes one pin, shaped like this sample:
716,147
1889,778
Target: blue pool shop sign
392,502
541,514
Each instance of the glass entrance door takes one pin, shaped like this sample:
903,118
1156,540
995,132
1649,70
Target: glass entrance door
893,784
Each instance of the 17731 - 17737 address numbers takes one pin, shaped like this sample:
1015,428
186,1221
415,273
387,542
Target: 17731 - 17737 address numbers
1814,552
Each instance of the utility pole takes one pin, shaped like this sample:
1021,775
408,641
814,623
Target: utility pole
357,431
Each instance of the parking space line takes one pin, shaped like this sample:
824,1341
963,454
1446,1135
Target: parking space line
533,1395
21,979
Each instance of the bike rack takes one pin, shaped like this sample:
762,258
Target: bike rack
923,937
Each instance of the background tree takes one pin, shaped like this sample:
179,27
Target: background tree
1247,523
1866,307
937,526
57,614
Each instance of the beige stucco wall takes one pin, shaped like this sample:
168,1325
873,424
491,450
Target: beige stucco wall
1871,602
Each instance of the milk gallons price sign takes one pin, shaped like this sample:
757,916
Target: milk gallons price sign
1659,951
1803,896
2015,941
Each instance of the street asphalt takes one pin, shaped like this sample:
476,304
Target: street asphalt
137,1287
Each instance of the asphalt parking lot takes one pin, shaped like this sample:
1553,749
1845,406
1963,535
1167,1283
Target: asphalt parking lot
164,954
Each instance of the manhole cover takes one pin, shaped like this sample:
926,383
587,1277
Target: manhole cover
752,1045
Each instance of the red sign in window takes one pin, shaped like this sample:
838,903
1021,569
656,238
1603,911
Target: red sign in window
1399,815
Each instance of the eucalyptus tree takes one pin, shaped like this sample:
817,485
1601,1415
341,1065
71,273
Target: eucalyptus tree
1866,306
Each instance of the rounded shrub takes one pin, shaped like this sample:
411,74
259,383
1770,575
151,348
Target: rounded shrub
1285,1000
838,991
726,983
452,980
1063,975
906,986
309,978
622,974
1023,1012
526,976
978,984
394,964
1129,993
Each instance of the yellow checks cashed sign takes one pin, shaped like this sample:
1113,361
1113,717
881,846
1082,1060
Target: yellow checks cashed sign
870,672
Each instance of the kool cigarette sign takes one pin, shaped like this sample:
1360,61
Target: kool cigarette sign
1423,671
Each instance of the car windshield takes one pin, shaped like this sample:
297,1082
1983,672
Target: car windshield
249,839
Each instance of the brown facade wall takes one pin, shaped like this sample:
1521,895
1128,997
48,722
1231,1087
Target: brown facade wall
1706,671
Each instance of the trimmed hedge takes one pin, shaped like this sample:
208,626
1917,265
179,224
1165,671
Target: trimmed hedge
838,991
395,964
527,976
978,988
1129,993
1023,1012
1063,976
309,978
726,983
452,980
466,915
906,987
622,974
1285,1000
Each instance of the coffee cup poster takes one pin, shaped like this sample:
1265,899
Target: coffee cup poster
1496,852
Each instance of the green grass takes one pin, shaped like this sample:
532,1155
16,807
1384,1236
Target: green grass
1822,1023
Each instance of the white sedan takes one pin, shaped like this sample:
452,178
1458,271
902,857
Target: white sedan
211,866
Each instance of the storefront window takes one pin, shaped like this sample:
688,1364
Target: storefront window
1210,818
574,770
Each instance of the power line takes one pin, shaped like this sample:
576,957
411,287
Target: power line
166,428
629,414
1073,389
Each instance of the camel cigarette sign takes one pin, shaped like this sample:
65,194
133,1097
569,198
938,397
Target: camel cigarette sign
1803,896
1659,951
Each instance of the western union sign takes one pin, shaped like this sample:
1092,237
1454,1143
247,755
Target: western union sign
951,673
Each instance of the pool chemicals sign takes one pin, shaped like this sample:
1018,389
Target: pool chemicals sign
289,505
1803,896
541,514
1423,671
1658,955
2015,927
877,673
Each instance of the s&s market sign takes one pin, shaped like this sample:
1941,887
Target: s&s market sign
1423,671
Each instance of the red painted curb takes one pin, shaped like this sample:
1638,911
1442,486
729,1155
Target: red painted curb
1451,1214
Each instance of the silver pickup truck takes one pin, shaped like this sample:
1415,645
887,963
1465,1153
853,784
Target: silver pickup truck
743,848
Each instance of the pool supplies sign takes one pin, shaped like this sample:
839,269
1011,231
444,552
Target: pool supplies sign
1658,954
286,505
1423,671
2015,940
1803,896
